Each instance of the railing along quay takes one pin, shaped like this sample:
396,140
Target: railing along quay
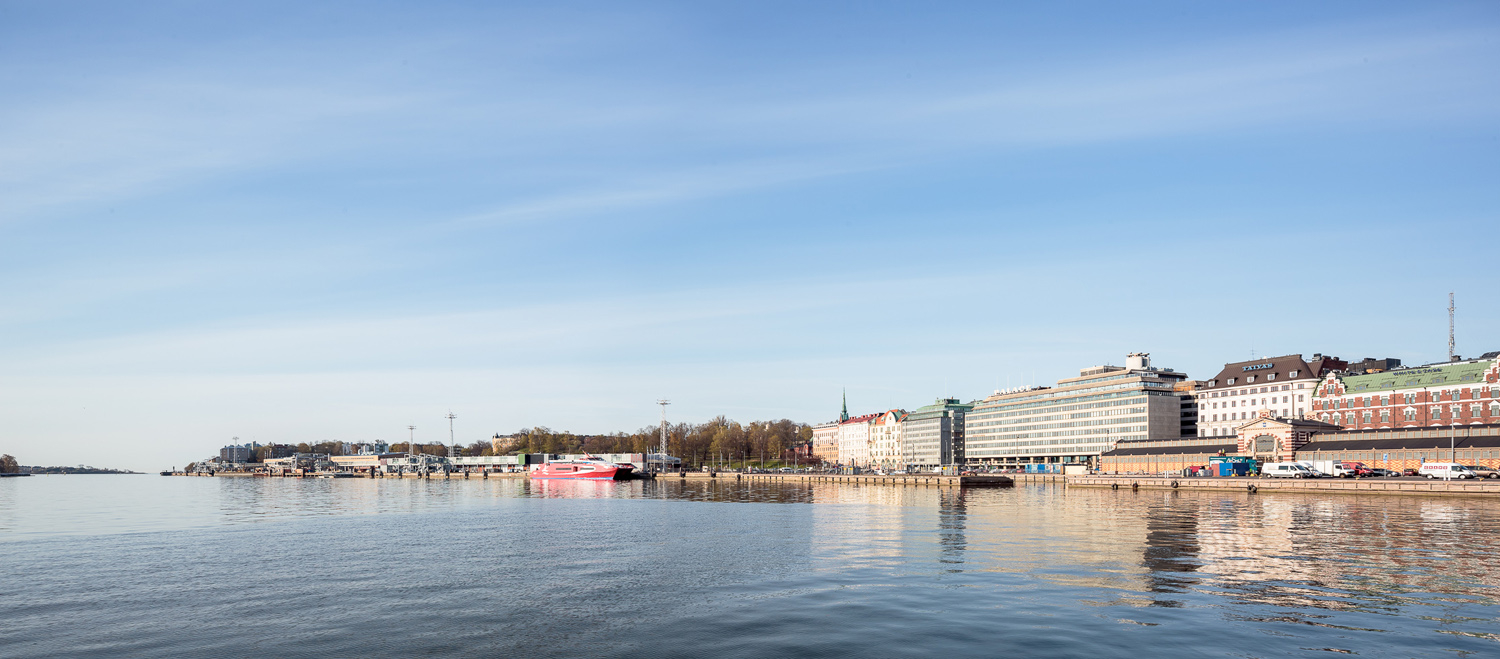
935,480
1316,485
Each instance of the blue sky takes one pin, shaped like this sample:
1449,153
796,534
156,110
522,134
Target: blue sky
297,222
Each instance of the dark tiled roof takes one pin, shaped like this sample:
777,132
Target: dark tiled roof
1401,444
1300,424
1199,449
1430,437
1261,368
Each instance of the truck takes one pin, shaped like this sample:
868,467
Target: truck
1338,468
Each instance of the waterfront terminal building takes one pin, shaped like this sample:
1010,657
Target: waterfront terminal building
1079,419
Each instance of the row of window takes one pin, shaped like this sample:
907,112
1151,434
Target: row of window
1106,416
1113,432
1410,414
1410,398
1029,424
1251,378
1242,416
992,411
1251,402
1251,390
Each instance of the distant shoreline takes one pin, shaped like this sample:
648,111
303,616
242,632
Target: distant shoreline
72,471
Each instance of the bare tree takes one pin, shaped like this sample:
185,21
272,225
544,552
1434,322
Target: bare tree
8,464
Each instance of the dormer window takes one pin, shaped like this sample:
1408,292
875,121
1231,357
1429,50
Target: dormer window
1250,379
1292,374
1271,376
1231,380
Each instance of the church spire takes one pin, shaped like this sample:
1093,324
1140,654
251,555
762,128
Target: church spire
844,416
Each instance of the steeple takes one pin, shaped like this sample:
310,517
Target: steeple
844,416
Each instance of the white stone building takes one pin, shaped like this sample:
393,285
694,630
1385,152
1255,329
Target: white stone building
1282,385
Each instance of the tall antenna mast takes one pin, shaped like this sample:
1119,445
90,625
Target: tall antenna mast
411,441
663,457
1451,347
452,448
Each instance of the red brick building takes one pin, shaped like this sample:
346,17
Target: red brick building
1457,393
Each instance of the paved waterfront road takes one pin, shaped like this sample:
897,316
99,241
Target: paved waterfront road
111,566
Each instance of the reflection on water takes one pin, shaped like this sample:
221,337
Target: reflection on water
686,568
951,525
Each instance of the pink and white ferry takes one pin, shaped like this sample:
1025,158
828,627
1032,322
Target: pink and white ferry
588,468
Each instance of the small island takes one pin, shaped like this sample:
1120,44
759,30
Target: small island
9,466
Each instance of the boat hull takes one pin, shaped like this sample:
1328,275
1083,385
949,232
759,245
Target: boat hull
581,472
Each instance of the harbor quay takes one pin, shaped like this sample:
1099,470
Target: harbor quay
1255,485
1246,484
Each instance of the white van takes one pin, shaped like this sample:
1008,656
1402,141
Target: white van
1287,470
1445,470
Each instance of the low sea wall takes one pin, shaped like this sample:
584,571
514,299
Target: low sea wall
1315,485
934,480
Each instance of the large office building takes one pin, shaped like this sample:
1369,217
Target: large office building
1283,385
1079,418
934,435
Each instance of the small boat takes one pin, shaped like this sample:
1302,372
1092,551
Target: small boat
589,468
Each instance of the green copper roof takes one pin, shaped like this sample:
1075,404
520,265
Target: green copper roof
938,408
1441,375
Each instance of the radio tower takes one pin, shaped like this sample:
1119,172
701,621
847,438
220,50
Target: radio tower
1451,347
662,459
452,448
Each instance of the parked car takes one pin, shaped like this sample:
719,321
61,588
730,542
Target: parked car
1483,472
1384,473
1409,472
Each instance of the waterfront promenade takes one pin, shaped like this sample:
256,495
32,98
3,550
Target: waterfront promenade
1420,487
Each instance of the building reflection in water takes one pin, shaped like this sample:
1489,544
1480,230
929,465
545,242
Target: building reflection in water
1335,553
1171,554
952,521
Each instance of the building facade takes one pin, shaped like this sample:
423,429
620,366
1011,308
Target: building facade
854,440
1445,394
1077,420
1271,439
886,440
825,441
237,454
1283,385
934,435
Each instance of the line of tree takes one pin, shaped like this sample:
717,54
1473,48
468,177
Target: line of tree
718,439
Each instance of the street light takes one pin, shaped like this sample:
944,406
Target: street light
1453,442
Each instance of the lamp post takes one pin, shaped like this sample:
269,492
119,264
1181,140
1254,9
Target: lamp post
1453,440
